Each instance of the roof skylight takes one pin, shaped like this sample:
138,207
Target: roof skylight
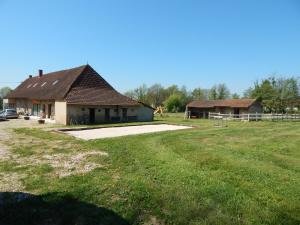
43,84
29,85
35,85
55,82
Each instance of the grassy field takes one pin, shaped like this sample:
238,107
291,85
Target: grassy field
245,173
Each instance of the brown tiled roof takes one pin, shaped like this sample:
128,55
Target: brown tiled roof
91,89
81,85
43,88
232,103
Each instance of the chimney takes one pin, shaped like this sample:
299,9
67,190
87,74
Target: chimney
40,73
30,76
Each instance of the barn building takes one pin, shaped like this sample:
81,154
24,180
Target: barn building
77,95
201,108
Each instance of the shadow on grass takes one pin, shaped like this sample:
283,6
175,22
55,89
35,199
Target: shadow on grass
56,209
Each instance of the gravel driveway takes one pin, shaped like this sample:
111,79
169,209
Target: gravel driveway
123,131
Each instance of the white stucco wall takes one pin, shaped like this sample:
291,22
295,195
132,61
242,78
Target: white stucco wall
80,113
144,113
5,102
61,112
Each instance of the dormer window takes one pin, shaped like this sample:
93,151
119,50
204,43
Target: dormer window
35,85
55,82
29,85
43,84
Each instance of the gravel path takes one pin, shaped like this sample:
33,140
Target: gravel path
123,131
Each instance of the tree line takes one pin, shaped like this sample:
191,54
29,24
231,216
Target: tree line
275,94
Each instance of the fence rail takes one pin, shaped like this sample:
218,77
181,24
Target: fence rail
255,116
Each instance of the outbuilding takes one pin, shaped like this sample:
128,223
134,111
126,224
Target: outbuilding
201,108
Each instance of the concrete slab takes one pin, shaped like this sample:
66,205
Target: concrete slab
110,132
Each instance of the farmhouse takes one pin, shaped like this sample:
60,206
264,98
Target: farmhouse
77,95
201,109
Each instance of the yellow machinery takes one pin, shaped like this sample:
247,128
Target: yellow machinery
159,110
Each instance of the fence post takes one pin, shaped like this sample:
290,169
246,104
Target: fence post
272,116
248,117
256,116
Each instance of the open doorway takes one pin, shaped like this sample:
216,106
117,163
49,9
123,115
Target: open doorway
107,114
236,112
92,115
124,114
49,111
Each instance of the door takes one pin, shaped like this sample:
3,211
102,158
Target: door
36,109
124,114
107,114
236,112
43,111
49,110
92,115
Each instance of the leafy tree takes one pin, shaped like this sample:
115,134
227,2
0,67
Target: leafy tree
198,94
219,92
235,96
185,96
139,94
130,94
290,89
276,94
248,93
174,103
156,95
3,92
223,91
173,89
213,94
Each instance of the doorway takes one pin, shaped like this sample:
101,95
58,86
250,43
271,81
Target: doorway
236,112
124,114
36,109
49,111
107,114
92,115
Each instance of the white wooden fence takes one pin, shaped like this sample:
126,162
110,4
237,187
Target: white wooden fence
256,116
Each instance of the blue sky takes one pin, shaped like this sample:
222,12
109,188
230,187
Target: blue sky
193,43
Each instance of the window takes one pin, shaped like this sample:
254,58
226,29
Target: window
55,82
35,85
82,109
29,86
99,110
116,110
132,110
36,108
43,84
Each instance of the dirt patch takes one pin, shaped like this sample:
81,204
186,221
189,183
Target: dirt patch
66,165
55,158
11,181
152,220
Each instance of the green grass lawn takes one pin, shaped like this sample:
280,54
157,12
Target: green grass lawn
245,173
